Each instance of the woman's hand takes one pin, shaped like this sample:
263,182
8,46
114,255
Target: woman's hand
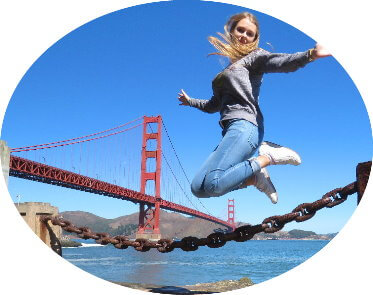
319,51
184,98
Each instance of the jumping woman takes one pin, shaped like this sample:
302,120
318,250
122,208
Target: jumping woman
232,164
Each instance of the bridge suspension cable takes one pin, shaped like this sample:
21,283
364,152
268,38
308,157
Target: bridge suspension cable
28,148
182,168
75,142
112,161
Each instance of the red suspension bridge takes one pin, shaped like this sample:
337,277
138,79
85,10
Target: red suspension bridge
108,162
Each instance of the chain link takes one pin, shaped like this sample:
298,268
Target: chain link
244,233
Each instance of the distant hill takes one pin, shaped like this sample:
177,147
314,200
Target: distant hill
172,225
300,234
295,234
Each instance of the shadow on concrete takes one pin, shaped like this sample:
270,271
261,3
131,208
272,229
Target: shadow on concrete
55,242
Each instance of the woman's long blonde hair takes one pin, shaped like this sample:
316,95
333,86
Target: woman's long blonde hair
231,47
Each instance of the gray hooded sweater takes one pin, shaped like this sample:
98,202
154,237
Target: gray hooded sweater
236,88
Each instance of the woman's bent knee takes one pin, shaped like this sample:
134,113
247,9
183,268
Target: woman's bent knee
198,190
213,189
206,190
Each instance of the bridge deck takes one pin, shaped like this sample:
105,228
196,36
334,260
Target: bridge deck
35,171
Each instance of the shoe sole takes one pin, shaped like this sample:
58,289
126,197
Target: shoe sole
266,174
272,144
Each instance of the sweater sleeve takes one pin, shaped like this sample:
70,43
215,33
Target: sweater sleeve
209,106
266,62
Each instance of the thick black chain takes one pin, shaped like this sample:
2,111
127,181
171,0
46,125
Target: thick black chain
271,224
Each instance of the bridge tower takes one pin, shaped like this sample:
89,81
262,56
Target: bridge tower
149,216
231,212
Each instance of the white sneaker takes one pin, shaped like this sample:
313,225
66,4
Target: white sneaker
263,183
279,155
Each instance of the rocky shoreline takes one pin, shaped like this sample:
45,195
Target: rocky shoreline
203,288
70,243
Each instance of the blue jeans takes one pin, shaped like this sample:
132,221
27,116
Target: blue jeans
229,166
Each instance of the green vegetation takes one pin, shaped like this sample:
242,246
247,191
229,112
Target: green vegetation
103,227
300,234
69,243
125,230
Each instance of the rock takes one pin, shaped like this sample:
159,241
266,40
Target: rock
203,288
69,243
222,286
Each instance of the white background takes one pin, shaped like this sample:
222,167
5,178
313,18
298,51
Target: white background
28,28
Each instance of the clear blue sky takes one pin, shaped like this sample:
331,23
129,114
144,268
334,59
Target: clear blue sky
133,62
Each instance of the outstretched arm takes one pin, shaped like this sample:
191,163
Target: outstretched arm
208,106
184,98
318,51
266,62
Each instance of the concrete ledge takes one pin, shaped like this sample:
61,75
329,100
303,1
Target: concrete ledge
5,159
50,234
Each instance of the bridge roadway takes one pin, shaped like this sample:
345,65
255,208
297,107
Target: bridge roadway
35,171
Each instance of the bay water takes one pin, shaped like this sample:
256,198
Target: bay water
259,260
